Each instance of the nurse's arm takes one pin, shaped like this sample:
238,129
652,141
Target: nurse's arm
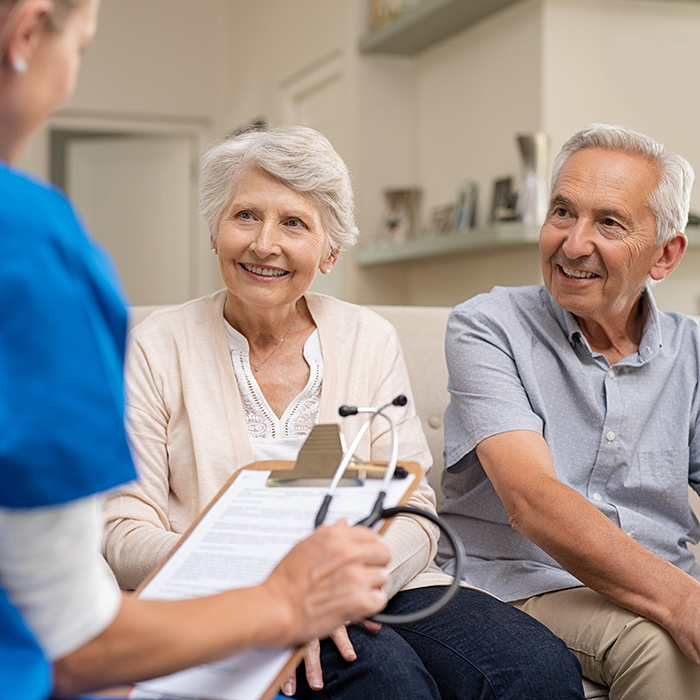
333,576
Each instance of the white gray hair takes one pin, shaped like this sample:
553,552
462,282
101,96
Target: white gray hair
670,201
297,156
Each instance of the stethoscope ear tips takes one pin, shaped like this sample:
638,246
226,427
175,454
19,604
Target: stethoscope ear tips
348,411
400,400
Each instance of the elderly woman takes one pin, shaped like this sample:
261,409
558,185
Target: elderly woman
64,625
244,374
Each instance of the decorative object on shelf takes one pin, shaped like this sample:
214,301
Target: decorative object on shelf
384,11
442,219
533,199
465,206
402,217
504,200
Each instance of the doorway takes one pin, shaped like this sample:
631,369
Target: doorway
137,195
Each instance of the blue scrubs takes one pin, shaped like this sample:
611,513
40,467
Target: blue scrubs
62,341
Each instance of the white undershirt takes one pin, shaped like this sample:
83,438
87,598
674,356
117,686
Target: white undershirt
273,437
52,569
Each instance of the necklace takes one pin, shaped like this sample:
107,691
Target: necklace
277,347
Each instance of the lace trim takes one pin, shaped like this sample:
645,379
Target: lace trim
302,413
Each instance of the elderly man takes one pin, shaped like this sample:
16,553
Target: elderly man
573,429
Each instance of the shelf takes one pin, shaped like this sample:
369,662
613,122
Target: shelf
480,240
489,239
423,25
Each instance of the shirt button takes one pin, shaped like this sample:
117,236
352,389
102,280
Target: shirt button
597,497
610,436
611,374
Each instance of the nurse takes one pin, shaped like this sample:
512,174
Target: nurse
64,625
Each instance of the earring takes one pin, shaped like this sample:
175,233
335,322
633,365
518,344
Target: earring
20,66
215,251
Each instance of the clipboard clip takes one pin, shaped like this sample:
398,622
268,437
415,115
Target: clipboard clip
318,458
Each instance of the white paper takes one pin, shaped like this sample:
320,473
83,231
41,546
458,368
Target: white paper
237,544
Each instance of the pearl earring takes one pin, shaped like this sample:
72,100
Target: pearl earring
20,66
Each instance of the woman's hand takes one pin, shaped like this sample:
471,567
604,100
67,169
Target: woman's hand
334,576
312,657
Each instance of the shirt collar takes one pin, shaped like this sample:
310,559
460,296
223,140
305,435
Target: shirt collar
650,343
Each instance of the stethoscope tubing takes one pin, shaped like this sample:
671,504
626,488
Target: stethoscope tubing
380,513
450,591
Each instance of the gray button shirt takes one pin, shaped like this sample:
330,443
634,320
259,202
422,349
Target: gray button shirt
626,436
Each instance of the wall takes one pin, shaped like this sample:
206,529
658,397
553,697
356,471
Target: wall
471,94
431,120
156,66
550,65
633,63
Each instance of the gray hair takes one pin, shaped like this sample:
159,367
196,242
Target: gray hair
297,156
670,201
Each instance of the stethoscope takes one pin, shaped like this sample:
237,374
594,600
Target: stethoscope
379,512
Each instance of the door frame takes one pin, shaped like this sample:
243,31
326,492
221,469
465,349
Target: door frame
203,275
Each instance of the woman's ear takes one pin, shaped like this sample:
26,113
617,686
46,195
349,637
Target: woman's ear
27,26
328,263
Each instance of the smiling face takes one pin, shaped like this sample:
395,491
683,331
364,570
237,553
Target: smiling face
597,245
270,243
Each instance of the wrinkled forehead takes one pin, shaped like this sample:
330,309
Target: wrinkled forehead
600,175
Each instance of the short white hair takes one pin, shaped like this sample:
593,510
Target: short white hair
297,156
670,202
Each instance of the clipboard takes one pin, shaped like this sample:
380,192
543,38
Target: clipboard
246,490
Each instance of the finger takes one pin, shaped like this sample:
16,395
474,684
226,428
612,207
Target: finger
290,685
312,661
342,641
371,625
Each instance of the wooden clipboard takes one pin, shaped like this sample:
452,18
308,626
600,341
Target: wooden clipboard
274,465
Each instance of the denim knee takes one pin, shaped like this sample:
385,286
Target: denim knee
386,668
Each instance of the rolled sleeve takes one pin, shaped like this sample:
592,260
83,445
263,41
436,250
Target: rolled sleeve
52,570
487,396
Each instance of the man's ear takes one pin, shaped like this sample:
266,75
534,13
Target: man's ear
672,252
26,28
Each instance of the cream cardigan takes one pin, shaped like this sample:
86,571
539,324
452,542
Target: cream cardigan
189,435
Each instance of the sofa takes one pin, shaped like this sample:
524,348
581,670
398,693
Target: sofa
421,330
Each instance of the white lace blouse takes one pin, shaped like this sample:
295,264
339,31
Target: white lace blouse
272,437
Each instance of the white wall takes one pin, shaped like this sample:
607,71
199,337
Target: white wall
632,63
550,65
158,58
472,93
431,120
622,62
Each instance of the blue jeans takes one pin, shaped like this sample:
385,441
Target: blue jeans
478,648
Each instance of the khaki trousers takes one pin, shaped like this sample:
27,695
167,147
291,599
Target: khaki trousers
636,658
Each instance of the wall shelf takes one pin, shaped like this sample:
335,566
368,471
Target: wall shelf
478,240
423,25
489,239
